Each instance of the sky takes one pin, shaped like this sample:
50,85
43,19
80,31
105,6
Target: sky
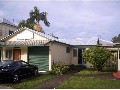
69,19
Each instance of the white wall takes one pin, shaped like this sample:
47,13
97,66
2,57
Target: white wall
26,34
24,54
58,53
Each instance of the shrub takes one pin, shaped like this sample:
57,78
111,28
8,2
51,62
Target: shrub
59,68
73,67
97,56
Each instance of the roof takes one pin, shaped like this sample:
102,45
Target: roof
24,43
86,41
3,20
39,33
71,42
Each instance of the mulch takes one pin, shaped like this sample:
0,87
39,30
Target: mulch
53,83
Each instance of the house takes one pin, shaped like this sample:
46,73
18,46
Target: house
6,27
37,48
43,50
84,43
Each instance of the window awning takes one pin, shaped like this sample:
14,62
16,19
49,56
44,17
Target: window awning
26,43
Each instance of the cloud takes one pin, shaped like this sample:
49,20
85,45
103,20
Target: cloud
2,13
70,19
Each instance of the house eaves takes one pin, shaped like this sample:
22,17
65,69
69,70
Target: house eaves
61,43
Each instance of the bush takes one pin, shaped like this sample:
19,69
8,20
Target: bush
59,68
73,67
97,56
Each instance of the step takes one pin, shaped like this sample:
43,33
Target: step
116,74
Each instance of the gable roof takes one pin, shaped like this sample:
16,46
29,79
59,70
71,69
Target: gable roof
71,42
36,32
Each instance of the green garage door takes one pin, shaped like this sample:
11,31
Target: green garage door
39,56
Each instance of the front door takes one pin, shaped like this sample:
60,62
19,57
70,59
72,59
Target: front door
79,56
16,54
0,55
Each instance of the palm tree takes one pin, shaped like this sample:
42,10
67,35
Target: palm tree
22,23
35,18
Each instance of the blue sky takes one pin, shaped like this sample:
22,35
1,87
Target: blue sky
70,19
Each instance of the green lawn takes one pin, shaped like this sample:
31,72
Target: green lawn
90,72
89,83
79,82
32,82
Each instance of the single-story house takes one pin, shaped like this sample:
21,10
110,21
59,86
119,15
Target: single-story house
43,50
83,43
37,48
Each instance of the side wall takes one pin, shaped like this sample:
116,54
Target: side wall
58,53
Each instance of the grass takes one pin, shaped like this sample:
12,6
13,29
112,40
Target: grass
78,82
31,82
90,72
89,83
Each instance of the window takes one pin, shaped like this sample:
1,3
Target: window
0,32
9,54
67,49
10,32
74,52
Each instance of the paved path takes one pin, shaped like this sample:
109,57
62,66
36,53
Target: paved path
51,84
4,87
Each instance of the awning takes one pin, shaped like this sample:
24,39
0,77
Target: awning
26,43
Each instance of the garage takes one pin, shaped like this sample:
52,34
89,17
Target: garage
39,56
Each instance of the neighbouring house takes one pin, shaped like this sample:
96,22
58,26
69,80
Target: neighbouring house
37,48
6,27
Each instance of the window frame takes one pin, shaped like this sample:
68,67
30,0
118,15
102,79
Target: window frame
0,32
67,49
9,54
75,53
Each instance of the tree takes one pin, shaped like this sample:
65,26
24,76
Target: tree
97,56
34,18
116,39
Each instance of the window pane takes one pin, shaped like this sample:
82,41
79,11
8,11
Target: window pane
0,32
74,53
67,49
9,54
